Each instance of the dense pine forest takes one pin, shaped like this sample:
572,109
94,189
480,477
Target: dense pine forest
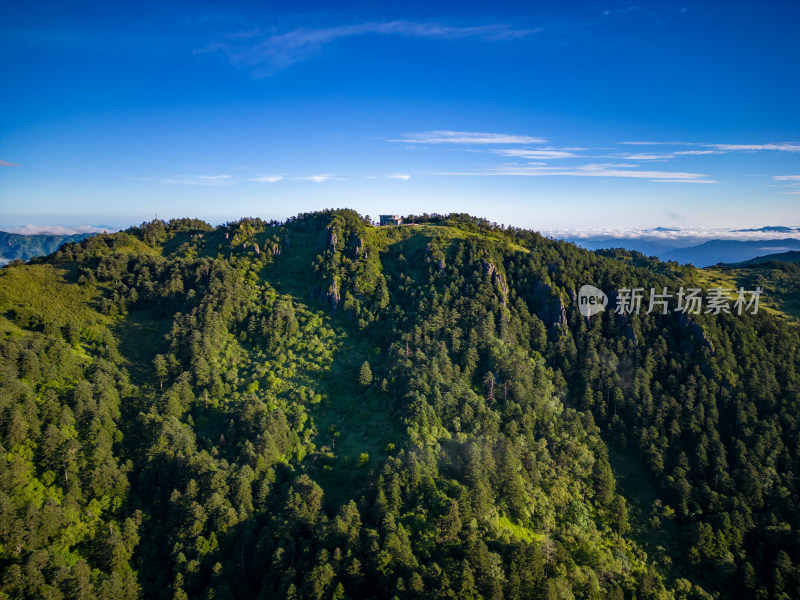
324,409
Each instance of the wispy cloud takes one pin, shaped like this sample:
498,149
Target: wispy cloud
266,178
320,178
5,163
787,178
58,229
658,143
211,180
536,154
400,176
670,155
774,146
782,147
271,51
592,170
675,236
466,137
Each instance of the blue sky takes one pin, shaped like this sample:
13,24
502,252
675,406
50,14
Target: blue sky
543,115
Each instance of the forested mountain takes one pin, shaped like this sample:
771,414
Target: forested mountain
325,409
15,246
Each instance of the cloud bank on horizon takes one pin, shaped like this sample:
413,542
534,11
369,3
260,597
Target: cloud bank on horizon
31,229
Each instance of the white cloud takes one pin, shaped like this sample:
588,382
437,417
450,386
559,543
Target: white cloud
266,178
592,170
786,177
779,146
211,180
659,143
271,51
320,178
669,155
466,137
676,236
782,147
684,181
401,176
649,156
545,154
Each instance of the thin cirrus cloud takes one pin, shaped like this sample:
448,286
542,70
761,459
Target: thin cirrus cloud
720,148
266,178
781,147
210,180
591,170
270,52
443,136
667,156
536,154
400,176
793,181
5,163
320,178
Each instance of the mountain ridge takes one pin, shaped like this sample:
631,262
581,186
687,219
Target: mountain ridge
320,408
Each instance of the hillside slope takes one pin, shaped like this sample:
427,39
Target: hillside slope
14,246
324,409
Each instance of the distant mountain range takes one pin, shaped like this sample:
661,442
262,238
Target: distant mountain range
779,229
692,249
793,256
726,251
15,246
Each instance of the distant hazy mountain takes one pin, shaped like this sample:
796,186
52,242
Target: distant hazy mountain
778,228
648,247
25,247
729,251
792,256
693,247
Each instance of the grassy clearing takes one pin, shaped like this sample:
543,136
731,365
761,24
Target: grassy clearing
400,233
781,291
506,526
48,293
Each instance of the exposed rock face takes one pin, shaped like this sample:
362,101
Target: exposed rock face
697,332
360,245
442,265
551,309
333,295
333,240
497,279
573,297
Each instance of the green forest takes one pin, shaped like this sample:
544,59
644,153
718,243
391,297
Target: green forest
324,409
